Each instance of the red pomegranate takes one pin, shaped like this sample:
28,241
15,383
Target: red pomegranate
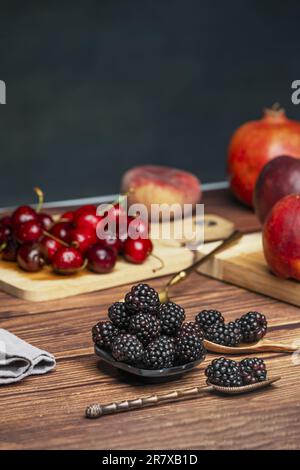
281,237
254,144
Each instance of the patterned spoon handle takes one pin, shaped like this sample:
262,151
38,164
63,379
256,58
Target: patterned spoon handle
96,410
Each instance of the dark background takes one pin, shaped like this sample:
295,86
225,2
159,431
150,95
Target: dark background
95,87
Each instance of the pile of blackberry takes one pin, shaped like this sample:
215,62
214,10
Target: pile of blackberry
147,334
228,373
251,327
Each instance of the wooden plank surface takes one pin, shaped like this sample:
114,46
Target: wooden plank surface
48,411
244,265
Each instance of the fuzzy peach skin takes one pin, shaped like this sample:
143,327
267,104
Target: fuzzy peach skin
281,240
153,184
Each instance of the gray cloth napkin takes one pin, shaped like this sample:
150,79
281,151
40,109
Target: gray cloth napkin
19,359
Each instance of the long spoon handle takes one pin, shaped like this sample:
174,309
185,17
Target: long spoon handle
229,241
96,410
269,346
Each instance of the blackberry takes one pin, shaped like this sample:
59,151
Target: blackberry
224,372
191,327
119,315
145,327
226,334
208,318
104,334
171,316
253,325
160,353
253,370
189,348
127,348
142,298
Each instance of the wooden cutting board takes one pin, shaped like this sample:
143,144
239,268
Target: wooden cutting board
45,285
244,265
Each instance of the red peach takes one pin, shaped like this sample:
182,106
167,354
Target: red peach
153,184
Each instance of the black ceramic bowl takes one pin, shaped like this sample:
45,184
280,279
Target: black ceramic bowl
163,374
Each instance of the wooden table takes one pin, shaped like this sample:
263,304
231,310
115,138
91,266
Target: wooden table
47,412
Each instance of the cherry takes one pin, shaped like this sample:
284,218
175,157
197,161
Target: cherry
67,260
29,257
112,242
23,214
49,247
68,216
90,208
101,259
115,216
83,238
89,219
45,220
136,251
9,253
137,228
5,221
30,231
61,230
5,234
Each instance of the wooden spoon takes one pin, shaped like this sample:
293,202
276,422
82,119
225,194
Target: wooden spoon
96,410
262,345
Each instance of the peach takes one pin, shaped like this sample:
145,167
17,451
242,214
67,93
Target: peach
281,241
153,184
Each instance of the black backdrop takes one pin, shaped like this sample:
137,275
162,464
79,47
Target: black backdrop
94,87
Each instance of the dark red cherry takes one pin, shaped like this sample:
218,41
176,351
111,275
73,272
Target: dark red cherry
9,253
83,238
29,257
49,247
23,214
90,208
111,241
68,216
136,251
101,259
45,220
5,221
67,260
61,230
115,217
30,231
88,219
5,234
137,228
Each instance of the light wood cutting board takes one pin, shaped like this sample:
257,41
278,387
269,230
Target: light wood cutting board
45,285
244,265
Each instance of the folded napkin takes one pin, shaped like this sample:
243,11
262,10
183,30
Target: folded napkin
19,359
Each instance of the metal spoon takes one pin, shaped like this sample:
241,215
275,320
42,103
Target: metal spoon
262,345
181,275
96,410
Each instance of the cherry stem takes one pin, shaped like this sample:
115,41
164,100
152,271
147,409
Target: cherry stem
162,264
85,263
48,234
3,246
40,196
